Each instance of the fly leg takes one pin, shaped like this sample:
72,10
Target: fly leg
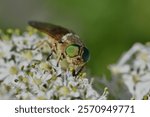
60,58
39,44
74,73
53,51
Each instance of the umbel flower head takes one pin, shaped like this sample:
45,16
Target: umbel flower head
25,72
134,70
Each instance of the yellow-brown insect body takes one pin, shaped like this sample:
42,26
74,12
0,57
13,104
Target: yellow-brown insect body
65,44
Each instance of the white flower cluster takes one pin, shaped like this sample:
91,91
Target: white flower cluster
25,73
134,70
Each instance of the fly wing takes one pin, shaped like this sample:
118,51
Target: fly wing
52,30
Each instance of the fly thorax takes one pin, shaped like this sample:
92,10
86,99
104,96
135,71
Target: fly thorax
71,38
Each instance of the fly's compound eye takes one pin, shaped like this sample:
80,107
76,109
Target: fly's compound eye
72,50
86,54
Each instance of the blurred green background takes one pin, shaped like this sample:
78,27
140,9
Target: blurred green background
108,27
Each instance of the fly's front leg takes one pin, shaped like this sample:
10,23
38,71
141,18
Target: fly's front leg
74,73
59,58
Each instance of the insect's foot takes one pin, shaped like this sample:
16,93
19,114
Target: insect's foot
48,58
